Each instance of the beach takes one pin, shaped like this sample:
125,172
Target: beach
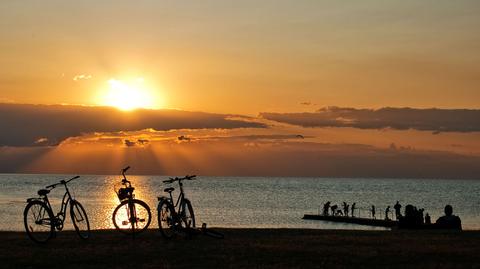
247,248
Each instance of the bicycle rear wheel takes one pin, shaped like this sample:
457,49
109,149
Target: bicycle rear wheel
166,220
132,216
38,220
80,219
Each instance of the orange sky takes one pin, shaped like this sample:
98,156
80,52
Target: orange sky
240,57
244,57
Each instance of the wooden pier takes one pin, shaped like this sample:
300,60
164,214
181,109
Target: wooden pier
354,220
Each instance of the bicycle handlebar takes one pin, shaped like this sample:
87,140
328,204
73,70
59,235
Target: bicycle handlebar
125,180
64,182
187,177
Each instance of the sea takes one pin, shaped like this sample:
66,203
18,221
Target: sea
248,202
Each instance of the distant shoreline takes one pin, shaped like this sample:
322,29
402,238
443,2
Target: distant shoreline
242,248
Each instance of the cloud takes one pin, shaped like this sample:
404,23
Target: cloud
6,100
82,77
40,125
434,119
243,158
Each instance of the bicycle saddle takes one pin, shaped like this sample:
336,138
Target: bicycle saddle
169,189
43,192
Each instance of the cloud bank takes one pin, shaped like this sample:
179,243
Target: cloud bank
434,119
49,125
242,157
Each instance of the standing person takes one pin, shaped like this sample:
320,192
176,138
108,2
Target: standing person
420,216
334,209
353,208
387,211
397,208
428,220
373,211
345,209
326,207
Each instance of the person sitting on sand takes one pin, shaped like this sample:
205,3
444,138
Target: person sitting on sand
407,221
449,221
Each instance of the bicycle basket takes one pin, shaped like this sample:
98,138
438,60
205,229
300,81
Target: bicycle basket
124,193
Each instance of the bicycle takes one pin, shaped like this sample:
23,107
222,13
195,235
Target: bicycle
131,216
41,224
173,219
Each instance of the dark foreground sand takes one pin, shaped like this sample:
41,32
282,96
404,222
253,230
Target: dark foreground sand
246,248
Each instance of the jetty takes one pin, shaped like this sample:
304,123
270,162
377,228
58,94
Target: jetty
354,220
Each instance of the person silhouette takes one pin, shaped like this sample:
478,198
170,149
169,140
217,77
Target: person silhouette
326,207
428,220
449,221
408,221
373,211
334,209
397,208
353,208
420,216
345,209
387,211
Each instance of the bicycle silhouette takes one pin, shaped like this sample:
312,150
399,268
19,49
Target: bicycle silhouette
40,223
178,218
131,216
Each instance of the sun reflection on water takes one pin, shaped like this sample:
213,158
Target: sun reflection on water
109,194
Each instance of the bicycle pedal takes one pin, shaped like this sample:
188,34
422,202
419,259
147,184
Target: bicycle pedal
141,220
125,222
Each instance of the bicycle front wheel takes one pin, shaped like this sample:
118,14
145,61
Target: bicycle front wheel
166,219
80,219
38,220
187,215
132,216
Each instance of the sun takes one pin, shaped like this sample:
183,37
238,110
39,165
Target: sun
128,95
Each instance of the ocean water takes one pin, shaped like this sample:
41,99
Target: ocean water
253,202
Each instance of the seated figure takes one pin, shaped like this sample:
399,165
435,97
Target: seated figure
409,220
449,221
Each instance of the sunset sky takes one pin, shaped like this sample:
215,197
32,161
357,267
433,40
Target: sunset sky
279,78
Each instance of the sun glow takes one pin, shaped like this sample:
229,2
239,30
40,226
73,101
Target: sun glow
129,95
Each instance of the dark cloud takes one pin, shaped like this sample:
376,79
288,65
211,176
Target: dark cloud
434,119
262,137
129,143
237,158
184,138
43,125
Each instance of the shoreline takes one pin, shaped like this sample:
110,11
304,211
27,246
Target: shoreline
242,248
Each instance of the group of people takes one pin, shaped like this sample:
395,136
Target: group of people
413,218
334,210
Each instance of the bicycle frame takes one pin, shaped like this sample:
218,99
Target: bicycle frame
59,218
179,206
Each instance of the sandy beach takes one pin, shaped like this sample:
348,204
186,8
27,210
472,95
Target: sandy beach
246,248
